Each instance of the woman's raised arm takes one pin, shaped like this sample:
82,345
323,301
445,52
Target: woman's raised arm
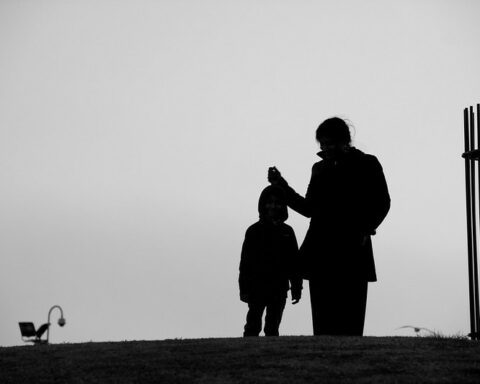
295,201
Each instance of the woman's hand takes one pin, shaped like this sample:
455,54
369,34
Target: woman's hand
296,296
244,297
275,177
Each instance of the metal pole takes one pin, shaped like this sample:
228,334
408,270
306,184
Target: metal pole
469,225
473,165
474,213
48,320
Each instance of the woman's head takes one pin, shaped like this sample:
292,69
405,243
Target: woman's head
335,130
334,138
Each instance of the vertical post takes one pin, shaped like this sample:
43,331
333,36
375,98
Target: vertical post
474,213
473,166
469,224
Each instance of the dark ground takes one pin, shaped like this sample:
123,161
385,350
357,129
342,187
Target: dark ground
257,360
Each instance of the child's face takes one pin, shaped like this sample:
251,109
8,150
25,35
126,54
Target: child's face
273,208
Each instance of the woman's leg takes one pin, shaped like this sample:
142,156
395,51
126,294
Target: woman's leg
321,307
356,299
338,307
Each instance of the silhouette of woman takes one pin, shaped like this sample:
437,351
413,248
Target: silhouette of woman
347,199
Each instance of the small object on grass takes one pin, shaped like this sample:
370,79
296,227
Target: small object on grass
418,329
29,334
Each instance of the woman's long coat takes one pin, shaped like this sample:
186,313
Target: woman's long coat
347,199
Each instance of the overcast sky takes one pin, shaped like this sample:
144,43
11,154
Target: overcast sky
135,138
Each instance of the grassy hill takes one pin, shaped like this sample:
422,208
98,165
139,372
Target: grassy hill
255,360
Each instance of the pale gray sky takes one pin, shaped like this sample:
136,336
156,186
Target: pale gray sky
135,138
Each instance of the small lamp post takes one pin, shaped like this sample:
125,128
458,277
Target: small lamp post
61,320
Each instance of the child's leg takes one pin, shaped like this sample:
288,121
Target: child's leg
274,314
254,319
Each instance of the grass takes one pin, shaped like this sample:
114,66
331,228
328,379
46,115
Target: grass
425,332
296,359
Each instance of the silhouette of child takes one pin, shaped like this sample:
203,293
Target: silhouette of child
268,266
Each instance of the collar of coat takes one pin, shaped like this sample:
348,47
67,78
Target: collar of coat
350,152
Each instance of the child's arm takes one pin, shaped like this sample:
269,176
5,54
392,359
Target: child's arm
296,281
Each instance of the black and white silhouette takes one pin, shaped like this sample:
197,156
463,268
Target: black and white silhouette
346,200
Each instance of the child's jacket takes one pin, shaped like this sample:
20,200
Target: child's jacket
268,266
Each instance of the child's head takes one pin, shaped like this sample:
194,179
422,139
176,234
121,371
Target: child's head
272,205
